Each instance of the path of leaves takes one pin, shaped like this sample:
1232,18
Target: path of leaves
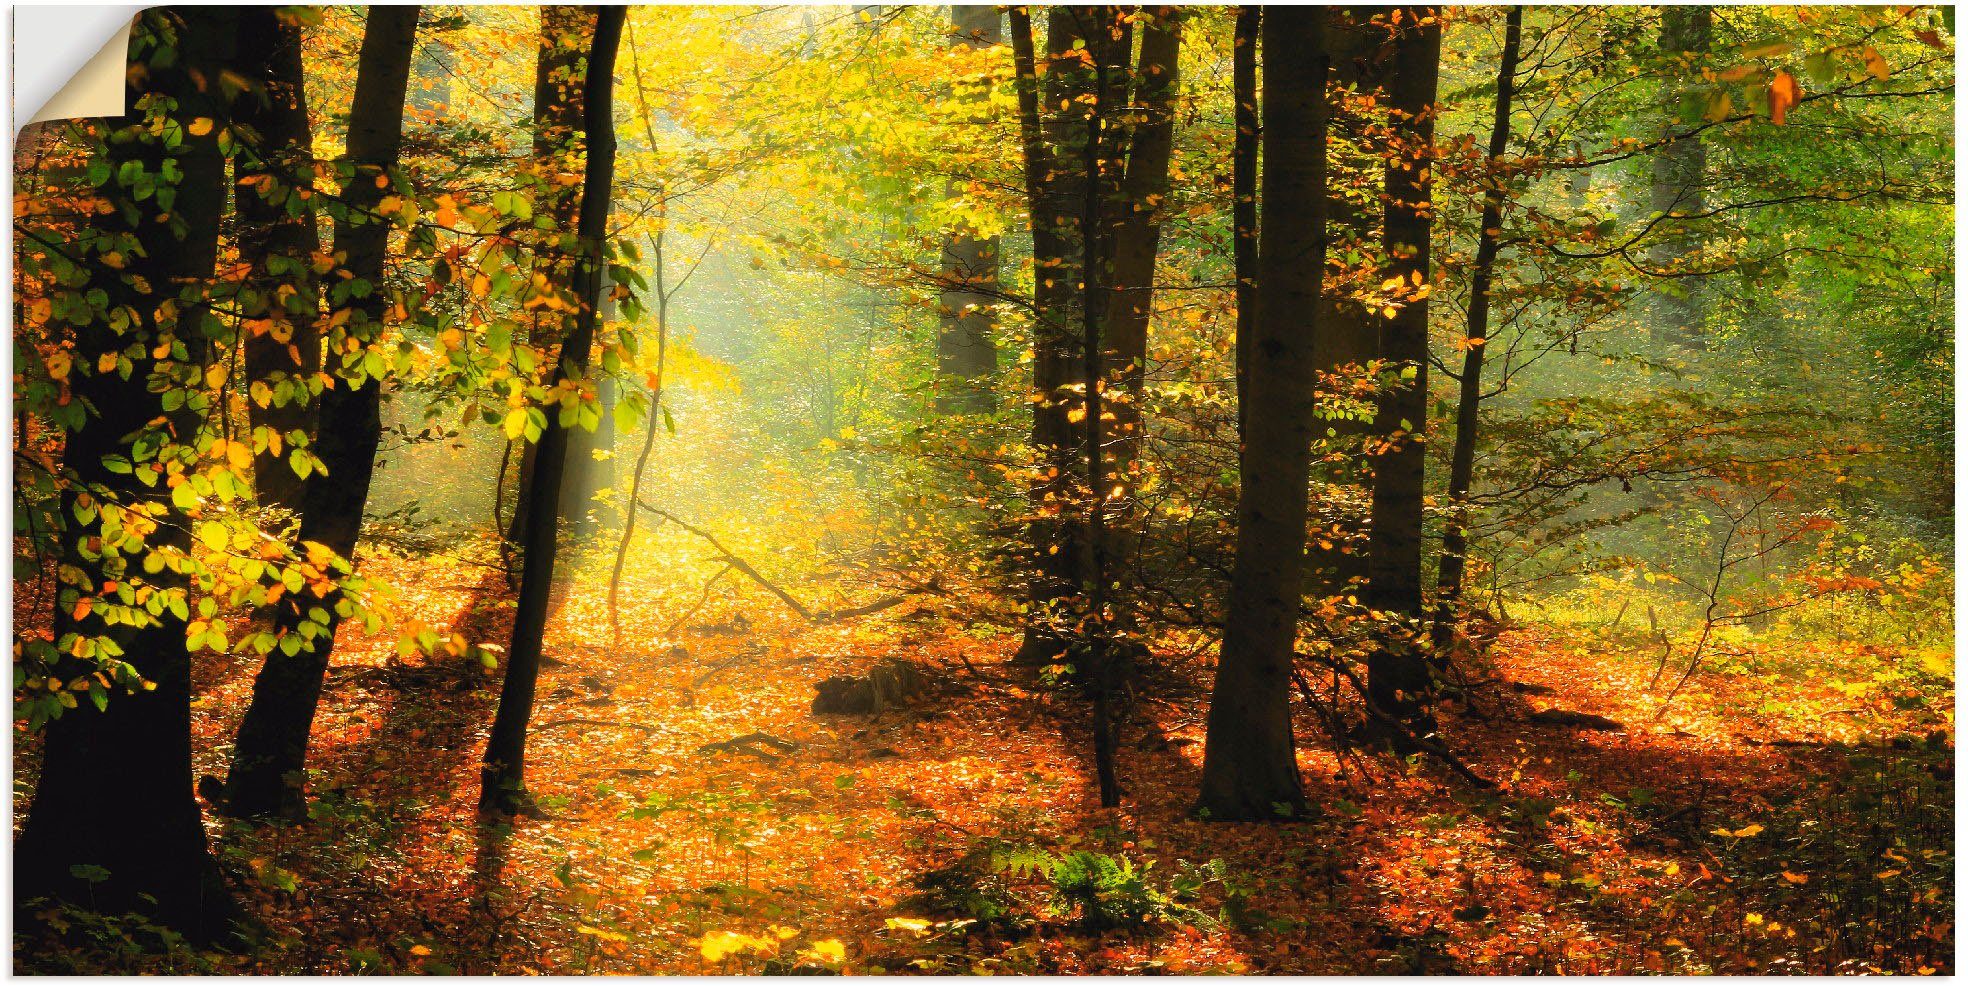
1603,851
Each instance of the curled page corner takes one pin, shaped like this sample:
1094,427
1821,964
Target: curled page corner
69,61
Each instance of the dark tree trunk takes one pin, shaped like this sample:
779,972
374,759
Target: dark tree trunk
1243,189
966,353
1057,180
1136,230
1348,332
502,781
1462,459
115,786
274,204
270,758
1398,672
1680,188
1250,763
557,94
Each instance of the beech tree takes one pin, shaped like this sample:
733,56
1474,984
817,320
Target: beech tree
1250,763
966,350
113,824
1476,332
1399,670
270,755
275,203
1679,187
502,780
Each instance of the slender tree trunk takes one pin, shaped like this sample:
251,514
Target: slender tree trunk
1462,459
115,786
1057,181
1243,188
1680,187
557,93
1137,228
1398,674
269,759
1094,369
1250,763
275,206
502,784
966,354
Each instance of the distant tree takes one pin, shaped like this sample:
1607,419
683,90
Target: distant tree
966,350
1250,764
1680,186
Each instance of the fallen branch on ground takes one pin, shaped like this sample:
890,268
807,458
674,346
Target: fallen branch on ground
744,568
1422,743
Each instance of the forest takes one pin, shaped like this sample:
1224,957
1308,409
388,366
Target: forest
990,490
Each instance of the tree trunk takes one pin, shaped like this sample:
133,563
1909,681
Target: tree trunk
1136,231
502,781
1348,332
1462,459
1056,179
1243,188
587,475
1398,675
557,94
275,206
269,759
115,787
966,355
1680,188
1250,764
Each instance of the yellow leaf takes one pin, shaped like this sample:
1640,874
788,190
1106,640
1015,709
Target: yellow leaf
515,423
213,534
201,126
830,951
917,925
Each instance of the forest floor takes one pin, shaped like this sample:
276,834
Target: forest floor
1766,822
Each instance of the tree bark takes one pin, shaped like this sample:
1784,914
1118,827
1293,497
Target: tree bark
270,757
558,83
1250,764
1136,231
1398,671
502,781
1462,459
275,206
1243,188
1056,180
966,353
1680,187
115,786
1348,332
